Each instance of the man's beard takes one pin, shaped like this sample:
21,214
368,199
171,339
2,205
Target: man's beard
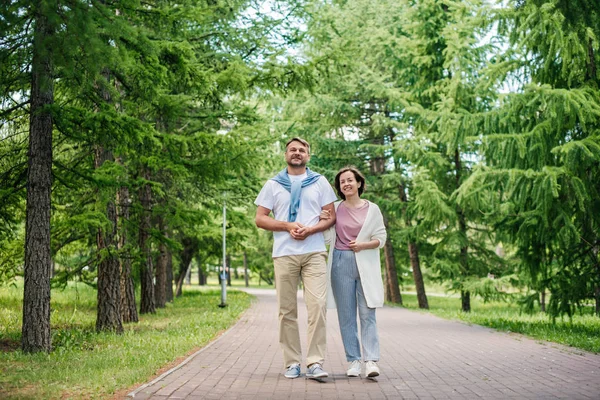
291,164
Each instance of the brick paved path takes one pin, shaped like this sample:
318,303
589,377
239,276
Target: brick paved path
423,357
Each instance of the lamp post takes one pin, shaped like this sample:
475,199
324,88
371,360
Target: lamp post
224,272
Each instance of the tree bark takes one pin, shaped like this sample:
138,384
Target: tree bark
465,300
390,269
462,226
246,279
201,273
543,301
190,246
178,289
128,307
38,260
591,70
413,252
391,276
169,287
228,269
147,269
108,315
160,293
415,263
595,251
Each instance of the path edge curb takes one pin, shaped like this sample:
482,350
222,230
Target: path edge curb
191,357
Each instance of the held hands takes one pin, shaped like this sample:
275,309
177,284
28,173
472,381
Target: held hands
298,231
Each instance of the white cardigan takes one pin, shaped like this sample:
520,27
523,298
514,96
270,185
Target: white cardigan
367,261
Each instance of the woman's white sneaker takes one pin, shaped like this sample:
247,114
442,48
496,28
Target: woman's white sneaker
354,368
371,369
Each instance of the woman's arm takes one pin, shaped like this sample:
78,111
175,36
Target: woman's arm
356,247
377,237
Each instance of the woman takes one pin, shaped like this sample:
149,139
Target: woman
354,270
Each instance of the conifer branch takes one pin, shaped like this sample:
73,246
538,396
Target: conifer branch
8,111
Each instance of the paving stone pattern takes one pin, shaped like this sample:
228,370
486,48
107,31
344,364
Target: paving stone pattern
422,357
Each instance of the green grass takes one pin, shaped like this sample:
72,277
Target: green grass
582,331
85,364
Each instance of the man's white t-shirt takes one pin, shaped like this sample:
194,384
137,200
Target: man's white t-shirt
274,197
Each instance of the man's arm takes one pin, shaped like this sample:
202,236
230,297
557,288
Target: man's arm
323,224
265,221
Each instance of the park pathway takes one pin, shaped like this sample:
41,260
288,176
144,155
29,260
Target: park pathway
423,357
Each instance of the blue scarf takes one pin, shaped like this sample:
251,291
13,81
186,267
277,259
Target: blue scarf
295,188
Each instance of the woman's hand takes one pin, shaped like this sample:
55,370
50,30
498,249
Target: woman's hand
325,214
356,247
359,246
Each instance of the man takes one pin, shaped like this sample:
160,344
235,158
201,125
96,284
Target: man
296,196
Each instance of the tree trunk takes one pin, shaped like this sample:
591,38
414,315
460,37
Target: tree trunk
246,280
465,300
184,273
38,260
462,225
595,251
147,272
377,167
201,274
188,277
190,246
128,306
160,294
591,70
543,301
413,252
393,293
169,287
391,274
415,263
387,293
228,269
108,316
178,288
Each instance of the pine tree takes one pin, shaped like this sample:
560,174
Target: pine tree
542,146
36,301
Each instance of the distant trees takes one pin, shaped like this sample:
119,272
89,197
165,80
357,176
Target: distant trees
143,115
481,123
124,124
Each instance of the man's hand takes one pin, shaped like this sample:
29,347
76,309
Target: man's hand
292,227
301,233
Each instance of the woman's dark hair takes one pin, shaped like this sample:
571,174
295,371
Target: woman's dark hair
357,175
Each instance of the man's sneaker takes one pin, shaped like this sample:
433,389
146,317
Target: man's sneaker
354,368
371,369
293,371
316,371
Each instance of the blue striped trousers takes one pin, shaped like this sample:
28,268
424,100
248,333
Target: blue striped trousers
349,297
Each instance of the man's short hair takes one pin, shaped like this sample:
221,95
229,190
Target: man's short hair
297,139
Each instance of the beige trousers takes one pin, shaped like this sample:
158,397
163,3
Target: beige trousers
312,268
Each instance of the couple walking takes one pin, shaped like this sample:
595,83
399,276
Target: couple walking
305,217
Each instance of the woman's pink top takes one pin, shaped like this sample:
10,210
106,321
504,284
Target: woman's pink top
348,223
